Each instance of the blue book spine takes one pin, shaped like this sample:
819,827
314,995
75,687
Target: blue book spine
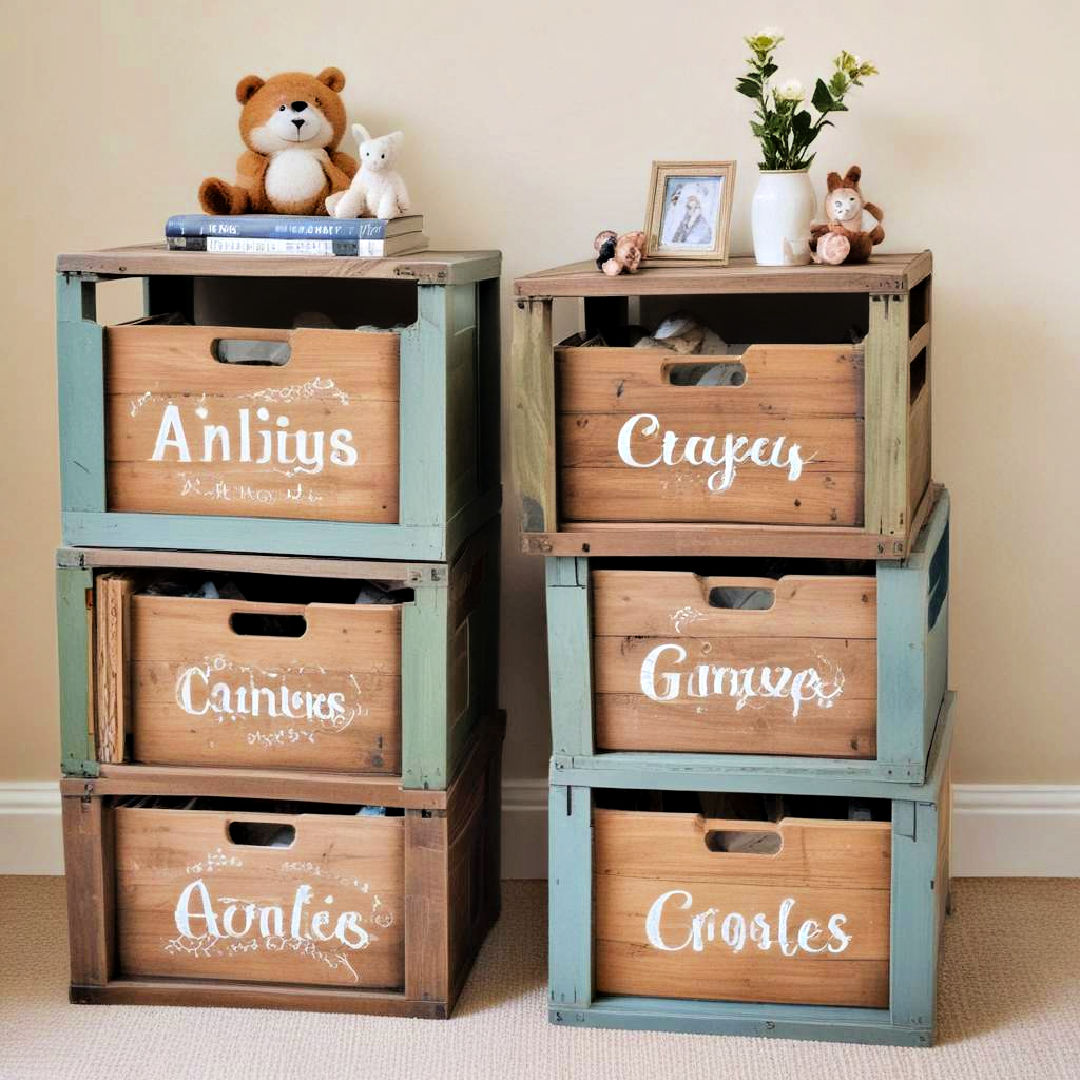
276,226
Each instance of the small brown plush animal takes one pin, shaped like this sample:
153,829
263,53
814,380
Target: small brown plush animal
615,254
291,125
843,238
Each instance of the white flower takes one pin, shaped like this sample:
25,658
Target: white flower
790,90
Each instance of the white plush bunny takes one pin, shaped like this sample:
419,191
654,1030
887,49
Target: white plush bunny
377,189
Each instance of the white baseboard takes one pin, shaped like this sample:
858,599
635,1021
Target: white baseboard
1028,830
30,828
998,830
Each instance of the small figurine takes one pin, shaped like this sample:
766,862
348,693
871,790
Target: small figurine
683,333
836,242
377,190
616,254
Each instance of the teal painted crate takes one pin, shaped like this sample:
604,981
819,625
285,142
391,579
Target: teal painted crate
423,405
901,664
411,680
917,884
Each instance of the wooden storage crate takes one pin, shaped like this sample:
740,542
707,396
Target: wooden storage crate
842,676
822,450
338,911
171,681
238,433
632,896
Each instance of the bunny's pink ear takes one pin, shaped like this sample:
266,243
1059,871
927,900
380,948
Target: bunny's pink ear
854,175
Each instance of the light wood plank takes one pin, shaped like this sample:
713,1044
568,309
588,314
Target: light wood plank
533,432
111,671
349,864
824,868
189,668
426,268
883,273
887,385
335,380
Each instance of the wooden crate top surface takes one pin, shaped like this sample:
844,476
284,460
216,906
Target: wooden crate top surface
882,274
425,267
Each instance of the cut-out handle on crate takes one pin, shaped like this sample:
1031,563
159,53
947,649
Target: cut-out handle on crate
734,837
740,593
715,371
260,832
271,350
269,620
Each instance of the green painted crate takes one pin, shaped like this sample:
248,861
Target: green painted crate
918,897
911,676
446,377
430,663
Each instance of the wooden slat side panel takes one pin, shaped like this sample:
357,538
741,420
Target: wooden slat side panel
88,872
338,891
190,435
533,433
427,952
887,387
112,671
203,694
75,656
674,919
918,439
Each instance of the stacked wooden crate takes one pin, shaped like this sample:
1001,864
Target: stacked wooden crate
278,629
747,606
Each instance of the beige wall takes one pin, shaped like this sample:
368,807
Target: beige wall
528,130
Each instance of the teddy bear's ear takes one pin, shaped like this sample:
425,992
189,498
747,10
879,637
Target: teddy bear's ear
248,87
854,175
833,181
333,78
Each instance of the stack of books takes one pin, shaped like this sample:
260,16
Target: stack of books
285,234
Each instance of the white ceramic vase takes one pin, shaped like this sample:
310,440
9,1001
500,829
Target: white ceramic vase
780,218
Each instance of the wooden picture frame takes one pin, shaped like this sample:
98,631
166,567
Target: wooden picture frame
702,233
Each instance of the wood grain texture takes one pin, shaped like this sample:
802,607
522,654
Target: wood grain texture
334,380
355,861
805,395
203,694
825,867
887,388
427,267
533,431
883,273
111,671
89,876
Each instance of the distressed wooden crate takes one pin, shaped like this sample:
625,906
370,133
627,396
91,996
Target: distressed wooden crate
615,455
375,444
625,887
866,662
366,914
168,682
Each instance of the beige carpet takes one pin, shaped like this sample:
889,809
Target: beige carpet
1010,1008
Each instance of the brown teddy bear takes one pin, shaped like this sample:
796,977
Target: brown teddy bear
835,242
291,125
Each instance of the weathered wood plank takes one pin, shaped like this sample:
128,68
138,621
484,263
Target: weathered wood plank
533,435
427,267
111,671
883,273
887,384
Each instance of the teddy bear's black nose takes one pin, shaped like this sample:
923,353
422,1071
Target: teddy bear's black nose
298,106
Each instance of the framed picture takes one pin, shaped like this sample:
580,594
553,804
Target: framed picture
689,215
